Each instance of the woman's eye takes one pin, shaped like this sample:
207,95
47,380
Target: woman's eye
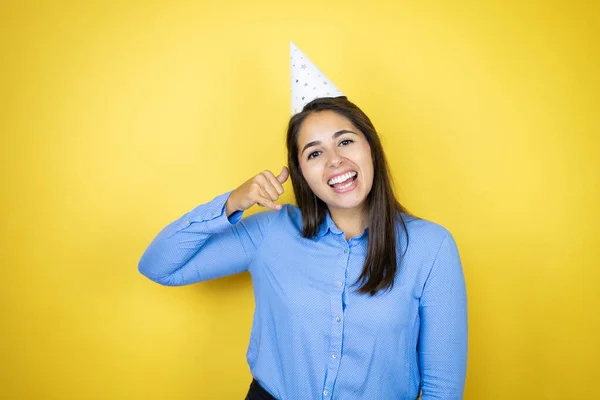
313,154
345,142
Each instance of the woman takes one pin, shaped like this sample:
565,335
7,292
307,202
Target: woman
347,307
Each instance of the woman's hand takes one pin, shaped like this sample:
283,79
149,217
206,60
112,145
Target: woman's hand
263,189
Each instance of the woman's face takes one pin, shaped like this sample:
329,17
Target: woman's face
335,159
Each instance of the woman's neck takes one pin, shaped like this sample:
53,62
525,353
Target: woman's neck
350,221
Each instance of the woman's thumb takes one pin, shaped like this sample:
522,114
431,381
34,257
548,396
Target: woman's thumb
284,175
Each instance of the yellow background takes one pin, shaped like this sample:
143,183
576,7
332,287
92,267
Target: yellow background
118,117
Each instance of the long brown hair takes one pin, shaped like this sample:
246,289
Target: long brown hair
383,208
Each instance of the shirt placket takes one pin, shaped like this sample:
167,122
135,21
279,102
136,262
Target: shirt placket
337,321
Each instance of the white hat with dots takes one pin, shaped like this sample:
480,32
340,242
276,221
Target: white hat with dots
308,82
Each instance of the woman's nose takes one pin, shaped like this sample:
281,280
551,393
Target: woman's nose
335,160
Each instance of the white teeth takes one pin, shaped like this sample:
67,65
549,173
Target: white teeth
347,185
342,178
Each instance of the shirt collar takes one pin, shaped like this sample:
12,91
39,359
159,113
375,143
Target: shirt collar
329,226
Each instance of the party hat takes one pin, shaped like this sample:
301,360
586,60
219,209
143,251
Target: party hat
308,82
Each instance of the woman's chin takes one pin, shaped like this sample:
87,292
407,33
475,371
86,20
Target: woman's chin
347,203
348,200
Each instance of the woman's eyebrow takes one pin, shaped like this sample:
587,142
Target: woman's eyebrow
317,142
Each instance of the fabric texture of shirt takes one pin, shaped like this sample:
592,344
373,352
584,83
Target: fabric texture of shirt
313,336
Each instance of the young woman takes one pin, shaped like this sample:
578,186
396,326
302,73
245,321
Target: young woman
347,307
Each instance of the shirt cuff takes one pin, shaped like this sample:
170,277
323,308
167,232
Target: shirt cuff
211,216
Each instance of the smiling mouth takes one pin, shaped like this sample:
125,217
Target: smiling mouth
346,182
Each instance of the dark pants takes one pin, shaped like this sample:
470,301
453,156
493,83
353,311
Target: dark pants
257,392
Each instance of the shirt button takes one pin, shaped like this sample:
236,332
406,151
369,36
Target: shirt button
325,392
339,284
345,251
333,355
338,319
187,222
214,213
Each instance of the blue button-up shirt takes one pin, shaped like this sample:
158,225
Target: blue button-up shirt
313,336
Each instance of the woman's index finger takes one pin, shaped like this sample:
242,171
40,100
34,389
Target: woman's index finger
274,182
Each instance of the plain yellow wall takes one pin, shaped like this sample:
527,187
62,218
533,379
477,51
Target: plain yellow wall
118,117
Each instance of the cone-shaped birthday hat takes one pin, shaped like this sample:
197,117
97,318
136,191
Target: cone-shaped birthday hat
308,82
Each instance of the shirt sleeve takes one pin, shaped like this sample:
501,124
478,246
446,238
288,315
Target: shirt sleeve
444,330
204,244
